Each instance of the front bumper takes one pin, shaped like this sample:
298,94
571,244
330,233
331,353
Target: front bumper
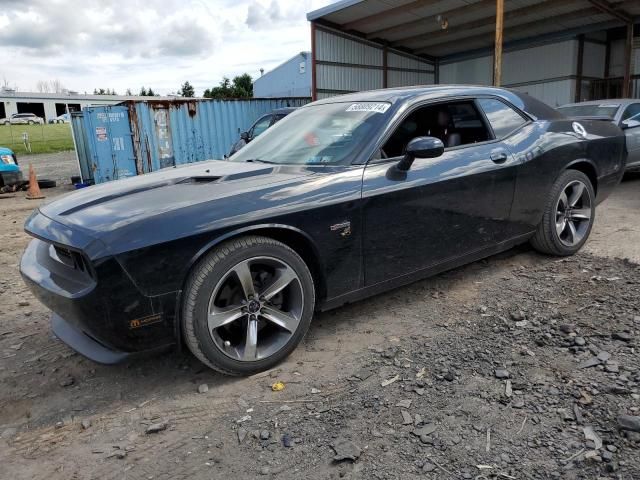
99,311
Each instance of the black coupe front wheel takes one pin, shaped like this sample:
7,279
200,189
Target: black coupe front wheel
568,215
247,305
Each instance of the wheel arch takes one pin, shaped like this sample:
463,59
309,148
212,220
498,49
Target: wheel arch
589,168
294,238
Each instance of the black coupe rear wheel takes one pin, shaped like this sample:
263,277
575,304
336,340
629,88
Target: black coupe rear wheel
568,216
247,305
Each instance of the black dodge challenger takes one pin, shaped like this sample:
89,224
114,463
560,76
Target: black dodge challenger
342,199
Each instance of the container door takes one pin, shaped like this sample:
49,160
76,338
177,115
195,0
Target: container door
110,138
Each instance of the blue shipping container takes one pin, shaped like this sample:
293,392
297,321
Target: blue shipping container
138,137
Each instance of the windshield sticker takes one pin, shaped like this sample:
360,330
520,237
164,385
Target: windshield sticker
608,105
368,107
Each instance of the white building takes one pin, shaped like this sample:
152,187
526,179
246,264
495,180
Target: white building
51,105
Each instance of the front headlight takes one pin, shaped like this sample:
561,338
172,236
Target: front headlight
7,159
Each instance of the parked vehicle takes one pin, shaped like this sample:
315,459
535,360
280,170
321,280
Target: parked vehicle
344,198
260,125
622,112
23,119
64,118
9,170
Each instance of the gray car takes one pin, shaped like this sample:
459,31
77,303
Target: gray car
623,112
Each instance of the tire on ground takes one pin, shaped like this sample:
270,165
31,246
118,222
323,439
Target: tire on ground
46,183
546,239
200,285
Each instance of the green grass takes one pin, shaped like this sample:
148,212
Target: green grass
44,138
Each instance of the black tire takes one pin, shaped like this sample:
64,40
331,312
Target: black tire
201,284
46,183
30,122
546,239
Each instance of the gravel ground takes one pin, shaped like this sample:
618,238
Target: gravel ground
520,366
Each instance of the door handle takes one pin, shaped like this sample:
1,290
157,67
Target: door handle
499,156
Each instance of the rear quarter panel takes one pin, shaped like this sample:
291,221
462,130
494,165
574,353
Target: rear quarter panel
546,148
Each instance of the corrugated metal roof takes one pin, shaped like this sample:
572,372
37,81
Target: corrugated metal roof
437,28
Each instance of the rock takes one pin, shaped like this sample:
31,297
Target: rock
404,403
242,434
449,376
590,434
518,316
519,403
579,341
606,456
592,362
406,417
604,356
386,383
265,471
629,422
567,328
156,427
612,367
86,423
623,336
204,388
23,304
508,390
427,429
265,435
7,433
345,450
67,381
287,440
502,373
315,391
428,467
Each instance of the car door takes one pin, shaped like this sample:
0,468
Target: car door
441,209
632,112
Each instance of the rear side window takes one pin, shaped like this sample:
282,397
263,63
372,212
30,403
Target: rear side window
632,112
503,118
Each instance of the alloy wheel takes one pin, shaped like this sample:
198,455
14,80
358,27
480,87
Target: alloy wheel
255,308
573,213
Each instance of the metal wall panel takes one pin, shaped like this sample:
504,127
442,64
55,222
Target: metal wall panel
593,60
400,78
337,48
539,63
347,79
474,71
552,93
395,60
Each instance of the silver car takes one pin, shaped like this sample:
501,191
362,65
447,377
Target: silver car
623,112
23,119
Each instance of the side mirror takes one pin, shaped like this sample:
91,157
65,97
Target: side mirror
245,136
421,147
626,124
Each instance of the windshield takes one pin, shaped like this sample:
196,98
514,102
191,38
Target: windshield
591,110
329,134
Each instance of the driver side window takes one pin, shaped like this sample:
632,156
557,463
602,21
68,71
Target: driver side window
455,123
260,126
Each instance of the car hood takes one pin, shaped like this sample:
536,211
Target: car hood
113,205
5,151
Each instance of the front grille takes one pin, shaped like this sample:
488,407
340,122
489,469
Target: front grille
70,258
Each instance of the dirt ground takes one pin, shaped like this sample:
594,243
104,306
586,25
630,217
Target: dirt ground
515,367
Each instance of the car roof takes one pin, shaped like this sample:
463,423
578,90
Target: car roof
526,103
6,151
285,110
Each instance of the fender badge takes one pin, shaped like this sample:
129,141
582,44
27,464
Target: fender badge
579,129
144,321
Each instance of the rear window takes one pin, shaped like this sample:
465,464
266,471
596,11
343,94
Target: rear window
592,110
502,117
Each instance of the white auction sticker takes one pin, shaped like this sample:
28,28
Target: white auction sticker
369,107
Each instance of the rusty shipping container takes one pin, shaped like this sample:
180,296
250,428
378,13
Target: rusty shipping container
137,137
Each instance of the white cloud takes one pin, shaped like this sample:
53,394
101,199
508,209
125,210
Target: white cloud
124,44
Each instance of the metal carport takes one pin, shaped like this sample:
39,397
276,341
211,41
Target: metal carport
363,44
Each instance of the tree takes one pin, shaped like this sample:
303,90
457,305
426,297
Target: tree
187,90
42,86
128,92
240,87
102,91
147,93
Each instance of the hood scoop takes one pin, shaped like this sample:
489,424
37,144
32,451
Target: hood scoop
200,179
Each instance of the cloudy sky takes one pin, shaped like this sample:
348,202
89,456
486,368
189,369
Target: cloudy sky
120,44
